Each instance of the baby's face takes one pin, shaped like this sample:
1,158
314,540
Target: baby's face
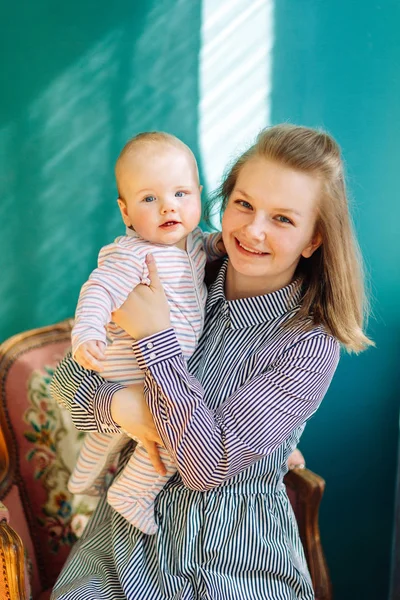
161,194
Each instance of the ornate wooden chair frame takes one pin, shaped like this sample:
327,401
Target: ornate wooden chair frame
305,488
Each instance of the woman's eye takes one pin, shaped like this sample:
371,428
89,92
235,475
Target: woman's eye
283,219
180,194
149,199
244,203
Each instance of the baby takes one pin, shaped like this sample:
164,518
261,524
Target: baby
159,199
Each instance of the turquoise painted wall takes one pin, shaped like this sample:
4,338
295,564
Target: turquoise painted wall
336,64
78,80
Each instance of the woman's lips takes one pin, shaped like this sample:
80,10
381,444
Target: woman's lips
249,252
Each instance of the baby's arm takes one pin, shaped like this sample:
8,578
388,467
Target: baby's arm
108,286
213,245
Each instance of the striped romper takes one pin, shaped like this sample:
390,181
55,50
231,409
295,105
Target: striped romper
121,266
230,418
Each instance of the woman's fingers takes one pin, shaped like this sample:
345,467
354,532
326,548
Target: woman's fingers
145,310
154,456
296,460
153,273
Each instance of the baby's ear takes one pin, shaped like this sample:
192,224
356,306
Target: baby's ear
200,188
124,212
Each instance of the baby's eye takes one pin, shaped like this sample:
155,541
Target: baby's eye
283,219
180,194
149,199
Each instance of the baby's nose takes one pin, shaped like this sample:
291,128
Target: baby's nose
169,205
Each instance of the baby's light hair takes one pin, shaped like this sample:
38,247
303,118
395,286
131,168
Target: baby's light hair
334,294
148,138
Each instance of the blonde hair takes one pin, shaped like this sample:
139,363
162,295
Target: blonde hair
146,138
334,294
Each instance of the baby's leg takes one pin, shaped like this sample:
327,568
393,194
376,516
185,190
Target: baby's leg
135,490
97,454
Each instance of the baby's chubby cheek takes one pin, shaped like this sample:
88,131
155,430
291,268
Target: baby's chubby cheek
192,215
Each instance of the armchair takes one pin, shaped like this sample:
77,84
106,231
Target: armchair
38,447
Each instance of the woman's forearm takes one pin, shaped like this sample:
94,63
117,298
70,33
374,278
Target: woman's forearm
86,395
211,446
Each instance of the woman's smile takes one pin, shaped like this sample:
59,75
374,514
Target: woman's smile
246,249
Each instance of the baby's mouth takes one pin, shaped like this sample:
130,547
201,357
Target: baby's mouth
169,224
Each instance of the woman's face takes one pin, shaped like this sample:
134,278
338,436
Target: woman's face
268,224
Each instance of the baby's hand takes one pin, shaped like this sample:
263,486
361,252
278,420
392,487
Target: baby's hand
90,355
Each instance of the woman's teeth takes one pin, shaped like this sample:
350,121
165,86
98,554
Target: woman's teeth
249,249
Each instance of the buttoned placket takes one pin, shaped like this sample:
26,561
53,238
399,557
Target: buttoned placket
227,317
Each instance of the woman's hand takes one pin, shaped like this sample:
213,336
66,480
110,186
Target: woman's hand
296,460
130,411
146,310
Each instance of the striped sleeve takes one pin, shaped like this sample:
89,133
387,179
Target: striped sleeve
210,241
86,395
211,446
118,272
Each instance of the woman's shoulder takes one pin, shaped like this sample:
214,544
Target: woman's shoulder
305,332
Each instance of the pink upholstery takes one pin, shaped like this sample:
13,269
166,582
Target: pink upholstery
42,445
26,505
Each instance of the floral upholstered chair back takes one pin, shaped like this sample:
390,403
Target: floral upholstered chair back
38,448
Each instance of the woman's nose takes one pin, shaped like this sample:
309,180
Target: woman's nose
257,228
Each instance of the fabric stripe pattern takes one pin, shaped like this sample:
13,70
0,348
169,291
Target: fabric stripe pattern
230,418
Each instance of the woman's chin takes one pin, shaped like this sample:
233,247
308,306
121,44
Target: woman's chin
245,268
252,266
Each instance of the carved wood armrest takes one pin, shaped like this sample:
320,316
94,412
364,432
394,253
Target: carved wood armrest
309,489
12,561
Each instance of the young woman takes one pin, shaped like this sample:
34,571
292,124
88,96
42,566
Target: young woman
288,295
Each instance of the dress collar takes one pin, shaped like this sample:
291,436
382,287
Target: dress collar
258,309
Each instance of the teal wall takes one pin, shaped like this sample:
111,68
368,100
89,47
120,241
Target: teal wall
76,82
336,64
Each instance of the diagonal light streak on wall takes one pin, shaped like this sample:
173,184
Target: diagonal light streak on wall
235,79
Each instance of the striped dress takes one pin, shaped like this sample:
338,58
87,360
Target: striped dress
230,418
